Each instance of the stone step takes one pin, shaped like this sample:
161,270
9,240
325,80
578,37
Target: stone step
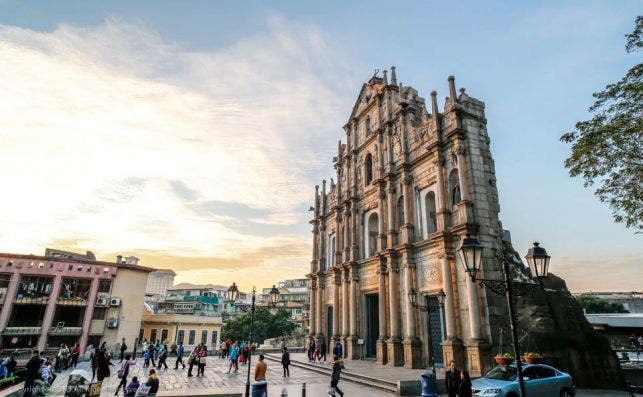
346,375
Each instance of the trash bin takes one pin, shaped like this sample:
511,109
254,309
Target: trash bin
428,385
260,389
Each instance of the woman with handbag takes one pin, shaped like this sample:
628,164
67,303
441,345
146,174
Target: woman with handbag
194,360
123,371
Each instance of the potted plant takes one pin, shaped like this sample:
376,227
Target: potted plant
504,359
532,358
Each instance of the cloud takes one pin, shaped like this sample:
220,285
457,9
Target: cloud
118,141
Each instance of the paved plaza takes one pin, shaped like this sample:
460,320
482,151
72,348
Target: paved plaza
177,383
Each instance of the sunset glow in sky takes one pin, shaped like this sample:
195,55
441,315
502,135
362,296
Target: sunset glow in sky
192,137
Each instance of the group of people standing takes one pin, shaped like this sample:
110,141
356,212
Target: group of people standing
458,383
316,350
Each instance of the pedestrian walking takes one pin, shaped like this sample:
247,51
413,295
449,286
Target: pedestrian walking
123,371
464,390
102,365
285,362
338,350
260,369
151,350
338,366
162,357
146,359
452,379
123,349
33,373
324,348
179,356
200,369
316,355
311,350
93,363
194,360
75,353
234,356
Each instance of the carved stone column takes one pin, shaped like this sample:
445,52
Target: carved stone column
337,281
395,353
352,348
381,342
312,312
464,187
412,345
392,231
381,233
442,213
452,345
345,281
407,228
319,303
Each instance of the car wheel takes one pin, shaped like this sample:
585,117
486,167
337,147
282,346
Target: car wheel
512,394
566,393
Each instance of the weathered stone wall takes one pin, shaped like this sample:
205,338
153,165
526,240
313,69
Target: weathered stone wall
558,329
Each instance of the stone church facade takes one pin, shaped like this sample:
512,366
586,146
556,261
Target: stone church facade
411,183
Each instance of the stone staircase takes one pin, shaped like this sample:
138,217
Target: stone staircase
381,384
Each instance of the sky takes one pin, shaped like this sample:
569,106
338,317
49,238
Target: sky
192,134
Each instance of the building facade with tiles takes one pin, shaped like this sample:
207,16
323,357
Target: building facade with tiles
49,300
410,183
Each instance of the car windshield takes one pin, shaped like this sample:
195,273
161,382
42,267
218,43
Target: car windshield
502,373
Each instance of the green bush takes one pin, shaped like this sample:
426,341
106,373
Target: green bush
7,381
20,373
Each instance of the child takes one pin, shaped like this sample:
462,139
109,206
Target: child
146,357
133,386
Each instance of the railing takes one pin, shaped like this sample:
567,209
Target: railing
72,302
22,331
18,354
32,300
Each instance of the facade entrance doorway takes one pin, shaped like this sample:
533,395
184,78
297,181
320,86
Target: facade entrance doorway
435,329
372,324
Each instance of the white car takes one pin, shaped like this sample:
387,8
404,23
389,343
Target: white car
540,381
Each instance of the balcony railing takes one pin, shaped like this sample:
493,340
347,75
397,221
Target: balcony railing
72,302
10,331
42,300
66,331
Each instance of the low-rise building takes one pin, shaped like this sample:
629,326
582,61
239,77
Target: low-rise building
618,327
632,301
158,283
49,300
174,328
293,296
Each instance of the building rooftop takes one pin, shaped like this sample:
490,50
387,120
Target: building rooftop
69,260
182,286
169,271
617,320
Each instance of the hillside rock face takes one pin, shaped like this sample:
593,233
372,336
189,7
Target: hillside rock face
557,328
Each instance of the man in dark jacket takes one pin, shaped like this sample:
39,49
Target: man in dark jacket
163,357
180,351
33,373
123,349
338,365
153,383
452,379
285,362
338,350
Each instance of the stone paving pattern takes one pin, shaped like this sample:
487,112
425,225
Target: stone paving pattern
217,380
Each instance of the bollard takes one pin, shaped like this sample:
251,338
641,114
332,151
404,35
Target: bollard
303,389
428,385
284,392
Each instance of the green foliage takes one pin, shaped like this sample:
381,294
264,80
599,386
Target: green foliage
592,304
608,149
20,373
265,326
8,381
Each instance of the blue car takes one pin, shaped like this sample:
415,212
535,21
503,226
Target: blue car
540,381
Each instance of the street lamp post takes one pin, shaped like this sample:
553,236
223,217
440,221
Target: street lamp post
233,294
471,256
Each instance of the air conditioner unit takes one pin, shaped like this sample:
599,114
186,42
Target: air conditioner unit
102,301
115,302
112,323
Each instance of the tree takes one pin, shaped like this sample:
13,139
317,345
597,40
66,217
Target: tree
592,304
608,149
265,326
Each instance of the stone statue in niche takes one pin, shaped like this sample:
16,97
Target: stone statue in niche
397,146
